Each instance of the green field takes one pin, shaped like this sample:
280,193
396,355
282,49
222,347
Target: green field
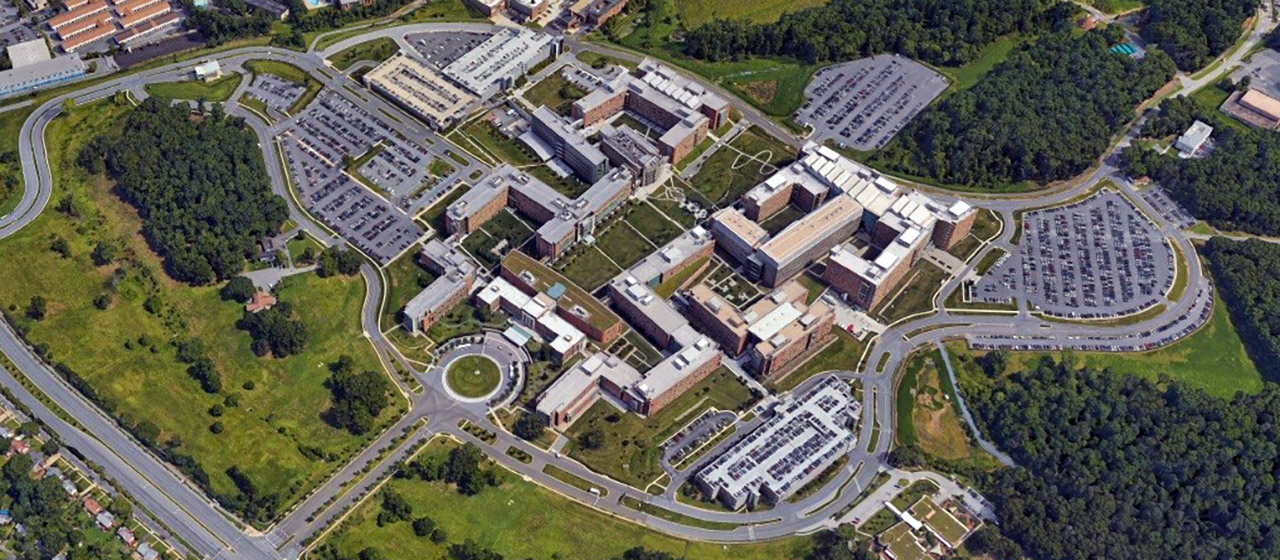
697,12
630,452
215,91
145,382
473,376
524,520
1212,359
555,92
404,279
746,161
916,296
967,76
624,245
374,51
589,268
11,168
655,226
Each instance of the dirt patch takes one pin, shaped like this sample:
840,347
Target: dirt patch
762,92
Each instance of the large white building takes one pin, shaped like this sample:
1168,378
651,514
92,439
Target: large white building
501,60
803,438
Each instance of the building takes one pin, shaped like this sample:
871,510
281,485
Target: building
805,241
79,13
420,90
594,13
37,5
487,7
773,332
736,234
1193,139
563,222
669,379
455,275
529,9
1264,105
650,314
683,108
566,399
627,148
100,31
40,74
261,301
208,70
538,311
127,37
586,161
27,53
802,439
572,303
143,15
691,248
501,59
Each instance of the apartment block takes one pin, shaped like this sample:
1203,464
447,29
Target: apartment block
455,277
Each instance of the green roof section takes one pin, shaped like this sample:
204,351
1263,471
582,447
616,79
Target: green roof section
570,295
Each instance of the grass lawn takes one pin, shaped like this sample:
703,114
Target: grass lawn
989,260
217,90
291,73
730,172
1212,359
523,520
623,245
926,413
556,93
589,268
653,224
496,238
404,279
1210,97
630,452
433,216
841,355
694,13
496,145
473,376
374,51
670,285
779,221
11,172
462,319
968,75
1117,6
916,295
264,435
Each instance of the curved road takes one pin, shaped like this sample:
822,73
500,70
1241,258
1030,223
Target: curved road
215,533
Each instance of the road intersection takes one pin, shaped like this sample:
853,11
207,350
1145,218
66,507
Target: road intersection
209,530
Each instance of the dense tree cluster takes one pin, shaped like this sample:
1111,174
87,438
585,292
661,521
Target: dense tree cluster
1194,32
230,20
462,467
252,503
1236,187
1118,467
200,185
1045,114
1245,272
945,32
334,261
1174,116
358,398
530,426
276,331
306,20
238,289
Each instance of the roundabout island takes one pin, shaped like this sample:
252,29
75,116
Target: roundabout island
473,377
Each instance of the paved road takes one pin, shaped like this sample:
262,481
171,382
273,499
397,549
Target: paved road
214,533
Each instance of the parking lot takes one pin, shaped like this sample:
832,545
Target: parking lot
1264,71
442,48
13,29
277,93
1156,196
864,103
315,146
1097,258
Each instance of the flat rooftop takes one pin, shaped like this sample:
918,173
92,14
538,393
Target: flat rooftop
659,262
801,235
507,53
575,300
417,85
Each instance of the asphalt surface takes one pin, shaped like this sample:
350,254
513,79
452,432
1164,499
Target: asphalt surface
211,531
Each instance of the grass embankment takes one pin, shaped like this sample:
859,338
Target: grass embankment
215,91
374,51
523,520
124,351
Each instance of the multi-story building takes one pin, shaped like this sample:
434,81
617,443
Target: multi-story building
627,148
796,445
40,74
478,205
536,311
500,60
487,7
736,234
572,303
455,276
773,332
571,394
529,9
421,90
586,160
650,314
805,241
688,249
594,13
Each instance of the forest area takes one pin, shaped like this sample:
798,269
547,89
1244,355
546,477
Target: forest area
1045,114
1245,272
1114,466
199,184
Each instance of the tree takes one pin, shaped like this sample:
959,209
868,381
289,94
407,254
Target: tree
103,253
423,526
60,246
102,301
334,261
37,308
829,545
358,399
593,438
275,330
530,426
238,289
